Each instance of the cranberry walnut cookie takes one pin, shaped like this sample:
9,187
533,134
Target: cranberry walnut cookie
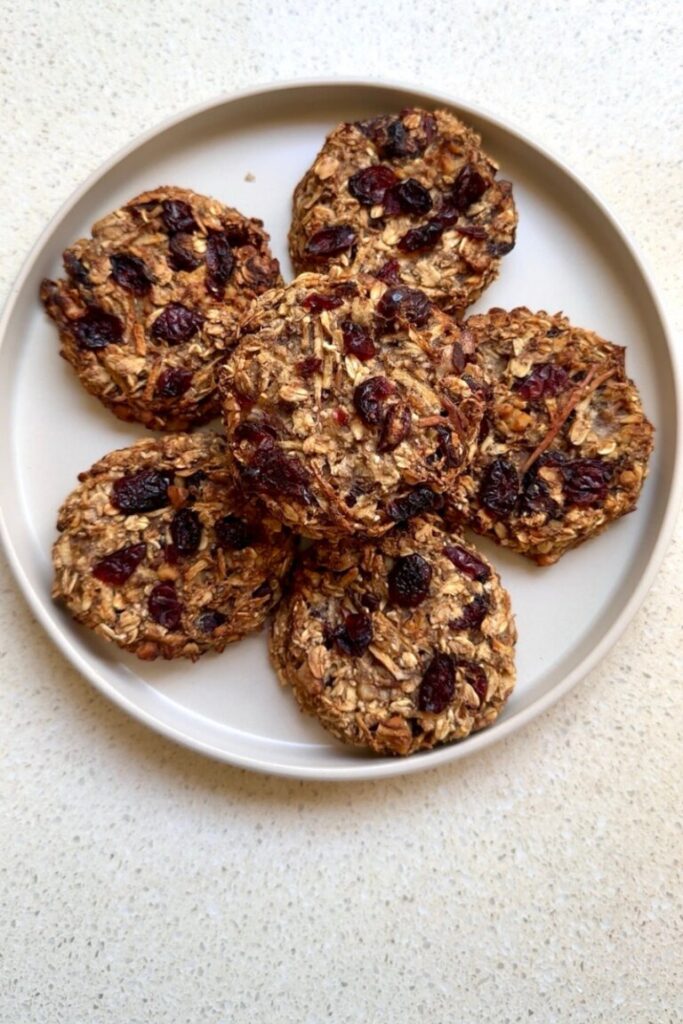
412,198
346,408
160,553
565,445
150,303
398,644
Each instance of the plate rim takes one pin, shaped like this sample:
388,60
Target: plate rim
362,770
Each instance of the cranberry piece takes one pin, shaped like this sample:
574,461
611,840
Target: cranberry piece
437,688
586,481
272,472
369,185
468,187
409,581
415,503
419,239
357,341
467,563
370,602
176,324
412,197
545,381
389,272
131,273
475,676
164,606
209,620
369,396
180,257
501,248
256,432
355,636
446,449
116,567
234,534
315,302
178,216
97,329
144,491
402,303
220,263
263,590
473,614
309,366
535,498
332,241
75,268
186,531
499,487
395,427
173,382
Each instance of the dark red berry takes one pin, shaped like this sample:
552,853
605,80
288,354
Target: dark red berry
180,257
475,676
389,272
271,472
75,268
144,491
116,567
437,689
446,450
499,487
409,581
418,239
369,396
209,620
471,231
413,197
586,481
131,273
309,366
97,329
415,503
467,563
220,263
535,498
468,187
355,636
173,382
501,248
341,416
164,606
176,324
235,534
370,602
407,304
256,432
546,380
332,241
178,216
186,531
369,185
395,427
315,302
473,614
357,341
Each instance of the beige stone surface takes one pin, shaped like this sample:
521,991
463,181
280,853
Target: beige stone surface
540,881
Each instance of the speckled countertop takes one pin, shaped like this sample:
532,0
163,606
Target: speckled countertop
538,881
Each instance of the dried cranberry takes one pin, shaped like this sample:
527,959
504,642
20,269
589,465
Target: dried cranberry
586,481
413,197
256,432
370,602
369,396
468,188
176,324
437,688
415,503
501,248
389,272
144,491
402,303
467,563
332,241
315,302
369,185
220,263
355,636
234,534
395,427
116,567
186,531
341,416
131,273
357,341
178,216
97,329
499,487
409,581
446,450
546,380
447,215
209,620
535,498
475,676
270,471
173,382
180,257
473,614
309,366
263,590
424,237
164,606
75,268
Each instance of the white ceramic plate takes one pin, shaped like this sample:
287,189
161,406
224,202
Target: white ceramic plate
570,255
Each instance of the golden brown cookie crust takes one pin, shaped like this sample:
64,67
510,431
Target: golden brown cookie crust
220,577
468,230
151,301
392,678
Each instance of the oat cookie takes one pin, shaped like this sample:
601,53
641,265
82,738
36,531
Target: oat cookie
565,446
342,398
412,198
160,553
399,644
150,303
